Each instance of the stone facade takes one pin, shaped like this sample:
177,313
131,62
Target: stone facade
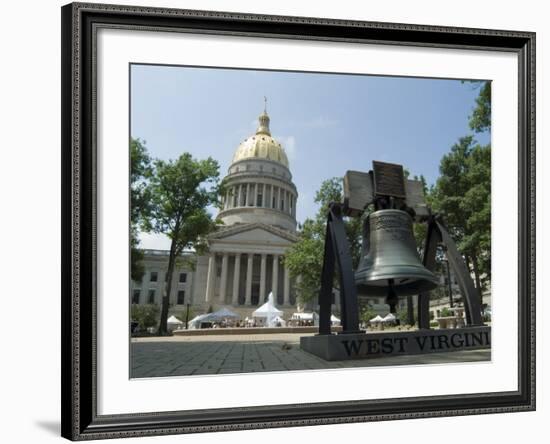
244,263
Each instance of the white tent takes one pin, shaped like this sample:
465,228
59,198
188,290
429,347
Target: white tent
377,318
389,318
334,320
312,316
196,321
222,313
174,323
268,312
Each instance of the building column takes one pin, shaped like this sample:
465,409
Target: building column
289,204
236,279
223,283
255,200
248,300
247,195
278,201
271,197
275,277
263,278
210,278
286,286
227,199
239,196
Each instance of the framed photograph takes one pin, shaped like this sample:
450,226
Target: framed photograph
275,221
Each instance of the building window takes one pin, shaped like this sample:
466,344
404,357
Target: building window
181,297
135,296
259,199
183,277
151,299
154,276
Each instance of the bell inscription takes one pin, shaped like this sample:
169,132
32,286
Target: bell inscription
396,224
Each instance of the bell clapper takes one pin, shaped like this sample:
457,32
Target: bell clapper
391,298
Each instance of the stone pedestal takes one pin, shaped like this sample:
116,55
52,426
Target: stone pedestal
341,347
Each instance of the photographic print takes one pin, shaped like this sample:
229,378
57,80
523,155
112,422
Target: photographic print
294,221
343,210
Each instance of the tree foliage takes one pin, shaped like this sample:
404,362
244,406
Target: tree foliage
480,119
145,315
180,193
140,173
305,257
462,195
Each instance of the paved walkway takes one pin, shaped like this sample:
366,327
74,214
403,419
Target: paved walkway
183,356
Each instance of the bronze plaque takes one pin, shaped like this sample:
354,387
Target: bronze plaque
388,179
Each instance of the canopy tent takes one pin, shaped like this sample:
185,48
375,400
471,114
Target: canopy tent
174,323
217,316
334,320
222,313
390,317
377,318
197,320
305,316
268,312
174,320
302,316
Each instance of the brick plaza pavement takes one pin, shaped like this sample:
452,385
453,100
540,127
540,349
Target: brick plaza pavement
176,356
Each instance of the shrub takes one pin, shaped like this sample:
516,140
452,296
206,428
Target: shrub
145,315
446,312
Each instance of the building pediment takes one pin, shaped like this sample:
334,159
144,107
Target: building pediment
254,233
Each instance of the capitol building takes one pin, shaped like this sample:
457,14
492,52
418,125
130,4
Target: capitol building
244,261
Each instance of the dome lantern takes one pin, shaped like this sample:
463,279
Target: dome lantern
263,128
261,145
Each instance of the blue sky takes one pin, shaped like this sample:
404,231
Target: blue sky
328,123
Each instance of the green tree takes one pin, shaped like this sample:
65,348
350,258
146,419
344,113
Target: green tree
181,191
140,173
462,194
305,257
366,313
480,119
145,315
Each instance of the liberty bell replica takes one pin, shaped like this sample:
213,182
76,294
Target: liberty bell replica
390,264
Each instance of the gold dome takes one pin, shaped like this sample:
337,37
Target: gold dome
261,145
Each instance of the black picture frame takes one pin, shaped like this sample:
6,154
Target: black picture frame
79,395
